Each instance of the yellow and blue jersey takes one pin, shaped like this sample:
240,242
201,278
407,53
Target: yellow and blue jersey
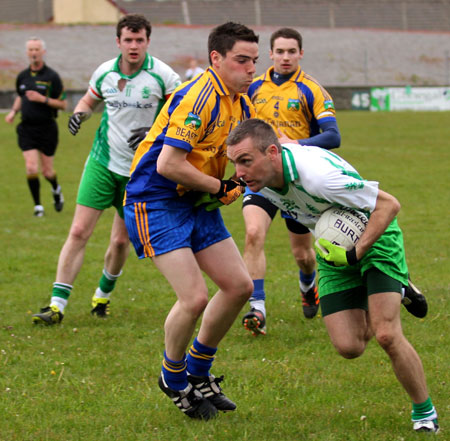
296,107
197,118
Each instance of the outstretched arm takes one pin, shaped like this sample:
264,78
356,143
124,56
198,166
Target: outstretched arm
329,138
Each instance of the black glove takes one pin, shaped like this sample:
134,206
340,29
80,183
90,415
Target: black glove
230,190
138,135
226,185
75,121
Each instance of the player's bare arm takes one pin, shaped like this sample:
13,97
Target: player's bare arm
37,97
9,118
173,165
386,209
87,104
82,112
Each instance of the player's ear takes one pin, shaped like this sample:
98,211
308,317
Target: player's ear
272,151
215,58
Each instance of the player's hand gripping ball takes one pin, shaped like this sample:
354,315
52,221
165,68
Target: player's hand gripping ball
337,232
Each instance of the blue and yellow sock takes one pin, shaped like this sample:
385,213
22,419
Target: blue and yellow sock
174,373
200,359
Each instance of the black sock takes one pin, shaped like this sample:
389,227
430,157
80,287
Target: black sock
34,185
53,181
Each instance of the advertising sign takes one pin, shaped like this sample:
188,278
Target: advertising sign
409,98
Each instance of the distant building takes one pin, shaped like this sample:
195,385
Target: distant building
87,11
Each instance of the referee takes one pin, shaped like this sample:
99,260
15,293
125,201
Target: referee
40,95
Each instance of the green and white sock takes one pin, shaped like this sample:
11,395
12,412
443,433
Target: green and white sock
424,411
106,284
60,295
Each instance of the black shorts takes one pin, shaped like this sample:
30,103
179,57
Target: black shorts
260,201
41,137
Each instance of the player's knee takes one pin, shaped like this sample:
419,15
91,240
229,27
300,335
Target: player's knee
48,173
31,169
120,243
196,304
305,258
254,238
386,339
350,350
239,289
78,233
245,290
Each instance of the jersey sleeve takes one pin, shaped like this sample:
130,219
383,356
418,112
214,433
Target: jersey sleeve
57,91
95,82
187,123
323,107
17,85
335,180
254,87
172,81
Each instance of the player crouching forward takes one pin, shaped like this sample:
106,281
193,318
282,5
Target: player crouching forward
360,290
185,151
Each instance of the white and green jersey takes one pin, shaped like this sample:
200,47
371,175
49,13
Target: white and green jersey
316,179
130,102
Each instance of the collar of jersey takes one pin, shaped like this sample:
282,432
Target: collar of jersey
147,64
217,82
289,171
298,75
35,72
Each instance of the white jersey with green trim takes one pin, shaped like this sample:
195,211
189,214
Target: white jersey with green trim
131,101
317,179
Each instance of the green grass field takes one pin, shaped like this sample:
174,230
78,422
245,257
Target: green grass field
90,379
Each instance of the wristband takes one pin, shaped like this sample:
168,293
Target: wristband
46,100
351,256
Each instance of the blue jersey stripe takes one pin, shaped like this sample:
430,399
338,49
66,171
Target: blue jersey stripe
202,98
219,83
215,114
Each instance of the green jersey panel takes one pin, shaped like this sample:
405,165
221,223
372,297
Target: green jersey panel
130,102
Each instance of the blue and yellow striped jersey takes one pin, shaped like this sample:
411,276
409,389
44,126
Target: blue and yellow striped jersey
295,107
197,118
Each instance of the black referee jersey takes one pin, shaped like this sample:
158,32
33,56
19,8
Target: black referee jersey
48,83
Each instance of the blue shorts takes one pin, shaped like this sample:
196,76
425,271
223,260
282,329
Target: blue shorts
159,227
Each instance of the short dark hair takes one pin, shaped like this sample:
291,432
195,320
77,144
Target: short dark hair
222,38
258,130
286,33
135,22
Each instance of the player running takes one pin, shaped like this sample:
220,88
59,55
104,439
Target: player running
134,86
360,289
301,111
